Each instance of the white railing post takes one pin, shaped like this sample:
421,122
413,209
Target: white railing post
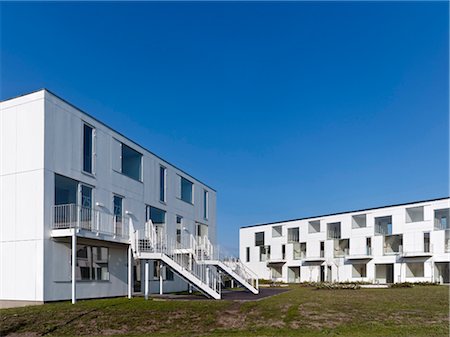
74,263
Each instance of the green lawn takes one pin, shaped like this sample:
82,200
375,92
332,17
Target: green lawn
302,311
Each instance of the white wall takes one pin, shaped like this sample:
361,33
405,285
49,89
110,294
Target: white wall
413,241
21,198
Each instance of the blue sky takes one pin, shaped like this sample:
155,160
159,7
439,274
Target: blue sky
287,109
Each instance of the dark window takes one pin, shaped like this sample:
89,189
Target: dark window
87,148
162,183
205,204
247,254
169,274
131,162
186,190
283,252
158,216
259,239
117,201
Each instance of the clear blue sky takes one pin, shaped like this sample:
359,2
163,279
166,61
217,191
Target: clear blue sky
287,109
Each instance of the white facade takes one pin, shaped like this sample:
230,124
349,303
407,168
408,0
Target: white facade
400,243
52,153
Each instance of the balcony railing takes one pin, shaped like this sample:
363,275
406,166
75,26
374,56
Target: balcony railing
440,225
389,250
76,216
341,252
334,234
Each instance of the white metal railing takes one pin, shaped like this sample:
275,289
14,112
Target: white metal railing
390,249
76,216
244,272
182,253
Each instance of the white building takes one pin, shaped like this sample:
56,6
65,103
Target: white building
398,243
68,180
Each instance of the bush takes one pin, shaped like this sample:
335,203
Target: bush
402,285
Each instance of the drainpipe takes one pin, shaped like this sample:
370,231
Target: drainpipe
130,280
74,262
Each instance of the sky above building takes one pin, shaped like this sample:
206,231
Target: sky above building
287,109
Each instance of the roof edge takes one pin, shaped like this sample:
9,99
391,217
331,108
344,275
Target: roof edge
109,127
339,213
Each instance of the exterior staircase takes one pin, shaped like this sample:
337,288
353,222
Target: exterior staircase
179,256
194,260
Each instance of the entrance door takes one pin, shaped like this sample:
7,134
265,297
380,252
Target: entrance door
322,273
329,274
442,271
86,207
389,273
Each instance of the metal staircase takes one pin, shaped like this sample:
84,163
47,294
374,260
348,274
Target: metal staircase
195,260
233,267
179,256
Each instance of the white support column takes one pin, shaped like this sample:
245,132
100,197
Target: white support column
146,280
160,279
74,266
130,268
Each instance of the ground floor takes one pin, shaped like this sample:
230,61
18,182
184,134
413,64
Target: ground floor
386,270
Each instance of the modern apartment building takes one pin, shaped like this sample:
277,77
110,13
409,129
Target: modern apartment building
85,212
408,242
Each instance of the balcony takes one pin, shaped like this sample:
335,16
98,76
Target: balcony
367,255
334,230
393,245
89,223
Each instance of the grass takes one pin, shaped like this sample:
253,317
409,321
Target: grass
302,311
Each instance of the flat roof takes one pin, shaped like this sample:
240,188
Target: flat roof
109,127
339,213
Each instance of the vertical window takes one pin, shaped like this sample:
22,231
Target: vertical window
205,204
426,242
369,246
117,201
87,148
283,252
179,228
322,249
259,239
293,234
131,162
162,183
186,190
169,274
247,254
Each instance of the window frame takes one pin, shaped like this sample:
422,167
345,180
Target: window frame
162,184
141,162
92,149
191,202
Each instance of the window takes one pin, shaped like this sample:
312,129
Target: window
276,231
426,242
131,162
264,253
156,269
414,269
283,252
441,218
247,254
393,244
117,203
205,204
383,225
334,230
359,270
85,213
314,226
92,263
293,234
341,247
369,246
169,274
276,272
322,249
414,214
259,239
158,216
447,241
202,230
179,228
296,251
359,221
162,183
186,190
88,146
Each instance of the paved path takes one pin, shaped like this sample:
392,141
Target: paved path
231,295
